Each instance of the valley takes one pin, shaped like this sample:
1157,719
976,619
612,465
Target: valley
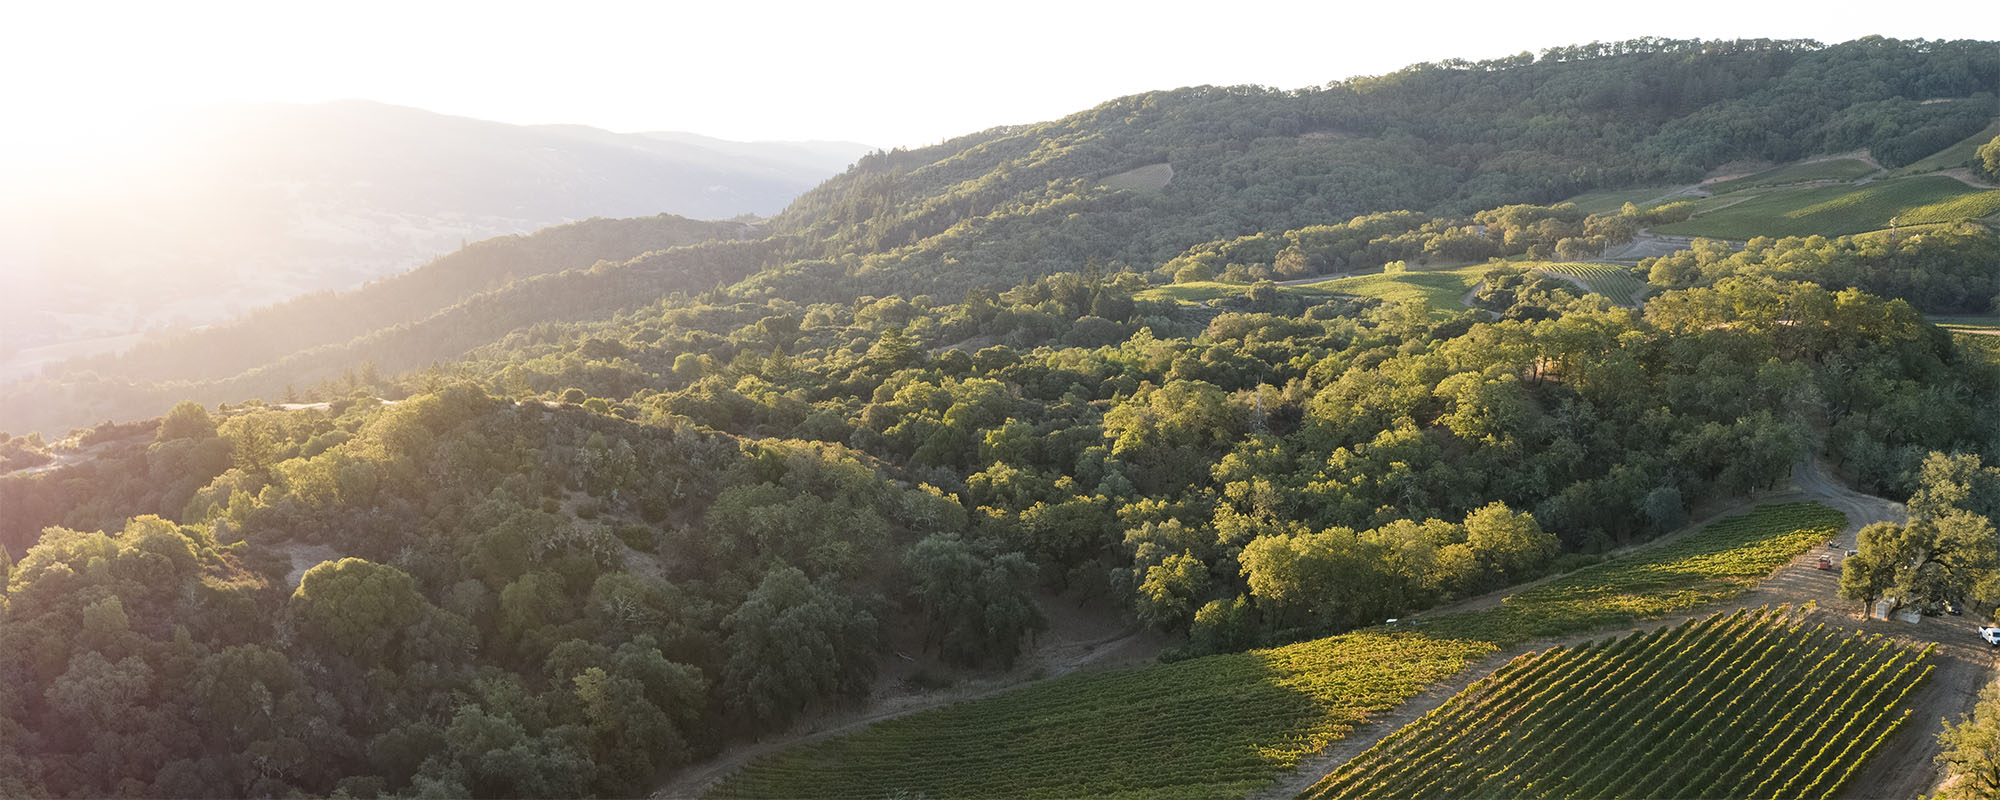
1537,426
237,208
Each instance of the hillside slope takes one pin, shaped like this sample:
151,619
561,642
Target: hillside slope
640,513
242,206
996,207
1453,137
583,271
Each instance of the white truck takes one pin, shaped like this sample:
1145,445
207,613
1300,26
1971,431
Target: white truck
1991,635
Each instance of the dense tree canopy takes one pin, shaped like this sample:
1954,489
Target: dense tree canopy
619,515
1987,159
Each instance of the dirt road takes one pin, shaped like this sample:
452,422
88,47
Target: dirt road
1966,177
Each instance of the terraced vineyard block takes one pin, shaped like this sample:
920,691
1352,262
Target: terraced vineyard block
1740,705
1613,281
1838,209
1211,727
1226,725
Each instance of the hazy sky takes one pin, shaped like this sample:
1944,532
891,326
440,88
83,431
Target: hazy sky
882,73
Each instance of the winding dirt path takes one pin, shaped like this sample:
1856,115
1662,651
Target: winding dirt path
1720,206
1572,279
1694,190
1861,155
1466,299
69,452
1966,177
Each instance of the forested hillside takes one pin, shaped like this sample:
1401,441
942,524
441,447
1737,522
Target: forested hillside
220,351
1449,139
409,321
559,515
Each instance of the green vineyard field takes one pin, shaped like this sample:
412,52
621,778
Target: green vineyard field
1839,169
1740,705
1614,282
1720,561
1956,155
1222,726
1209,727
1838,209
1609,201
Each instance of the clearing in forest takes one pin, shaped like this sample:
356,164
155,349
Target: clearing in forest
1443,289
1148,179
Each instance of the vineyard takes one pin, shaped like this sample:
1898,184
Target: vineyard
1225,725
1743,705
1208,727
1977,205
1609,201
1614,282
1720,561
1982,346
1839,209
1956,155
1839,169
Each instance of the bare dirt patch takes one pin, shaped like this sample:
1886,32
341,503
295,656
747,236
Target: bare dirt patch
971,345
1324,136
1149,178
304,557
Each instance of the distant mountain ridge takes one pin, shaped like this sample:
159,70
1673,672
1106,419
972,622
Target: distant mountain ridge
412,160
242,206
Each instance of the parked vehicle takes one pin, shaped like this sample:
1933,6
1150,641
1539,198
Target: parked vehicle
1991,635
